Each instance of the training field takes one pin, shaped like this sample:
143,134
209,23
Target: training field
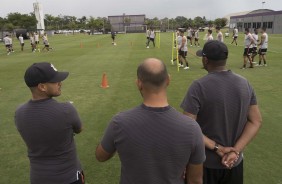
96,106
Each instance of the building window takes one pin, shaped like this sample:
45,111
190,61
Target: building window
254,25
269,25
245,25
249,25
264,24
258,24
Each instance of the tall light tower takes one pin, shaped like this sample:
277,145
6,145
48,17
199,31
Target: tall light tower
38,11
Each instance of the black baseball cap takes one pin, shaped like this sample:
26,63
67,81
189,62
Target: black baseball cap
214,50
43,72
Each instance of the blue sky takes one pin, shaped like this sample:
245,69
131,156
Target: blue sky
152,8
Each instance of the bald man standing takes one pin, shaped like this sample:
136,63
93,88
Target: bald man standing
156,144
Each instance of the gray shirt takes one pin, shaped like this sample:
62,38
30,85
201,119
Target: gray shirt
47,128
154,144
221,101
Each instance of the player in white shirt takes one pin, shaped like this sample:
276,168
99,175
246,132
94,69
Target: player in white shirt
255,45
263,47
177,43
46,42
219,34
147,35
32,42
197,37
7,43
21,39
190,36
248,42
152,38
235,35
209,36
182,50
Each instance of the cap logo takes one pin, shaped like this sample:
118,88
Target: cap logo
54,67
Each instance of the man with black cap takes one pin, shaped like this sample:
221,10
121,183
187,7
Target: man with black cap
48,127
225,106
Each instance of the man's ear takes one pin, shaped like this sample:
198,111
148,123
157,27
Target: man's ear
168,80
41,87
138,84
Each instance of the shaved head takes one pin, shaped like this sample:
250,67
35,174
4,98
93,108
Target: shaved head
152,73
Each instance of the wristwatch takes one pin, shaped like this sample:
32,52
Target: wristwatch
215,147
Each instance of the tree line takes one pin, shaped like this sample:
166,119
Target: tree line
64,22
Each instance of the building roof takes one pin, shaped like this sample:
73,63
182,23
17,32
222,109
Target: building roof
259,12
143,15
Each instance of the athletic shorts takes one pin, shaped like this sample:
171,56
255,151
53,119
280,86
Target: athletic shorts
46,45
235,37
247,51
262,51
113,37
196,39
22,44
189,37
36,42
8,46
182,53
255,51
152,39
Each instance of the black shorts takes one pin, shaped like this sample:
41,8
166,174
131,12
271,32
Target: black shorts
22,44
36,42
255,51
230,176
189,37
46,46
152,39
182,53
247,51
8,46
262,51
81,179
196,39
235,37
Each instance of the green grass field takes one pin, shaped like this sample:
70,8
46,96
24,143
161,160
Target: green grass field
96,106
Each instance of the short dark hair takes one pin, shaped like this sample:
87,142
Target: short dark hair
210,31
247,29
218,28
152,78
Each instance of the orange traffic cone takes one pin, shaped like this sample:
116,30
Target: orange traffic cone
104,83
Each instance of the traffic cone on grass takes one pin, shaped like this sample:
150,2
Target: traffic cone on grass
104,83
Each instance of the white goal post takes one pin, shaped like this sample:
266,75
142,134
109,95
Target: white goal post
135,29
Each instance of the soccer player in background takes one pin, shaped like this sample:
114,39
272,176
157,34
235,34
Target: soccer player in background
21,40
183,49
147,36
197,37
32,42
209,36
248,42
235,35
36,39
190,36
219,34
7,43
152,38
255,47
46,42
263,47
113,35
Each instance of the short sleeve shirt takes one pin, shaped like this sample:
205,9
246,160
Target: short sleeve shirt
154,144
47,128
221,101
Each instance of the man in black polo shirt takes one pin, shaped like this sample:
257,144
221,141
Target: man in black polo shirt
155,143
47,127
225,106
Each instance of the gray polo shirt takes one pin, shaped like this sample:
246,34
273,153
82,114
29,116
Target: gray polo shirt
47,128
154,144
221,101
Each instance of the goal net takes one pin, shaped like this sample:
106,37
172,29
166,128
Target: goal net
136,29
